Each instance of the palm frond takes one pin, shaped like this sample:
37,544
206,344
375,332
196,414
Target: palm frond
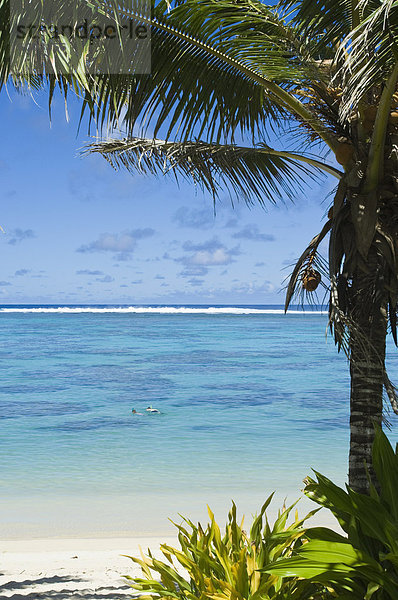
392,392
309,260
218,68
359,37
35,53
368,55
322,22
254,174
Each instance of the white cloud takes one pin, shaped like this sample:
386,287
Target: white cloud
123,243
209,253
206,258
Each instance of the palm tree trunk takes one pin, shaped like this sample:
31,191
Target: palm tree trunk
368,346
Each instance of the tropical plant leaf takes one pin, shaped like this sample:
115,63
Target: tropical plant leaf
331,496
227,565
254,174
373,52
385,464
207,57
364,564
322,21
331,552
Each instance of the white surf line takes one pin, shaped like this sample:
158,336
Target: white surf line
170,310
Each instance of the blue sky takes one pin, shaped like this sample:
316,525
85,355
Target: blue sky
76,231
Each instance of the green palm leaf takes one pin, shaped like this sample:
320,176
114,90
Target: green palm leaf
368,55
322,21
218,68
259,173
46,59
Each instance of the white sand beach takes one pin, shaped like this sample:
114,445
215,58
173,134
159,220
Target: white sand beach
82,568
64,569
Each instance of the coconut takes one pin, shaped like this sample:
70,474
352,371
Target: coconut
311,279
344,153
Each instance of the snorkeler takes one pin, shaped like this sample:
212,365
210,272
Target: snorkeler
152,410
136,413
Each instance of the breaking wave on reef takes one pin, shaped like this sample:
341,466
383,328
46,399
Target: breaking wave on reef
167,310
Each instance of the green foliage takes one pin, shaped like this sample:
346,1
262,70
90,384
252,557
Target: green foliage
250,173
364,564
227,566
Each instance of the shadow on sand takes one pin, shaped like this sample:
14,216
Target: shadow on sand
122,592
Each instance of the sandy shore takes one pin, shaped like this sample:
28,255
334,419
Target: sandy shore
92,569
65,569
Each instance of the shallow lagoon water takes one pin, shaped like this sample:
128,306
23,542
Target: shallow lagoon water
249,403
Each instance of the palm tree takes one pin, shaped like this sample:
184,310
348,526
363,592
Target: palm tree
321,77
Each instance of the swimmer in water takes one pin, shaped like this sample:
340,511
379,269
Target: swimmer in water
152,410
136,413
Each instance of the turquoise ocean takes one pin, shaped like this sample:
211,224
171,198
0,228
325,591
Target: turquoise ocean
250,400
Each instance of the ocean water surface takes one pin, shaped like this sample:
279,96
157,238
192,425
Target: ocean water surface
250,400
